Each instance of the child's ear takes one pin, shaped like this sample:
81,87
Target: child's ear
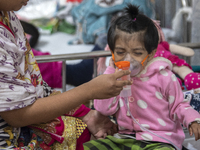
151,55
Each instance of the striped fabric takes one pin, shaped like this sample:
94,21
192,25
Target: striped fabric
3,135
113,143
8,135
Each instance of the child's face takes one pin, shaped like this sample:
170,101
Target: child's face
127,46
12,5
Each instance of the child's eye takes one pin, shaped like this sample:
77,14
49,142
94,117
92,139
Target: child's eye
138,53
120,53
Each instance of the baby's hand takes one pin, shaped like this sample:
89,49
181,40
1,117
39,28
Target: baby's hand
195,128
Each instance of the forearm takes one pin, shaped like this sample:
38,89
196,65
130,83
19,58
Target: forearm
45,109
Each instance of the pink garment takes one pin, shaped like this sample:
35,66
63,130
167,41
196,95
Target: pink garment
157,103
57,136
181,83
192,81
163,51
85,136
51,71
82,111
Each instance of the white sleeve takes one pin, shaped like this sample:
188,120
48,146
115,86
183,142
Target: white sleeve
14,93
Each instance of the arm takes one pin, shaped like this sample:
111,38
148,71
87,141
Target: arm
180,108
45,109
185,51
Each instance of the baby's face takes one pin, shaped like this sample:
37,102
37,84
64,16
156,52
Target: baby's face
127,46
12,5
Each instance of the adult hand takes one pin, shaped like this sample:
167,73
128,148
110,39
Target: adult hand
107,85
195,128
99,125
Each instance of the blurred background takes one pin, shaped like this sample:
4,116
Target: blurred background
77,26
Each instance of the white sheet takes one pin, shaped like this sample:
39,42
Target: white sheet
57,43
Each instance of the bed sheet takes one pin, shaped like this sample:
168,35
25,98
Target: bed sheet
57,43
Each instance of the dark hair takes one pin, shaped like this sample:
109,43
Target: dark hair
131,21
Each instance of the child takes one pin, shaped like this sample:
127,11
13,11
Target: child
27,101
156,103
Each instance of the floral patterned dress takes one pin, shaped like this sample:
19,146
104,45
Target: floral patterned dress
21,84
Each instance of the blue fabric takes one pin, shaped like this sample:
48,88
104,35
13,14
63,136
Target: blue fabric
194,100
82,72
196,68
94,16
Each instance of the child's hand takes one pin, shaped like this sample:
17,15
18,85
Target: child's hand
107,86
195,128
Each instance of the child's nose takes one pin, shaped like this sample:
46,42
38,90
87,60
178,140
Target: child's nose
128,57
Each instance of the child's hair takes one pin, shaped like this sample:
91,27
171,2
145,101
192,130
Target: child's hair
131,21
